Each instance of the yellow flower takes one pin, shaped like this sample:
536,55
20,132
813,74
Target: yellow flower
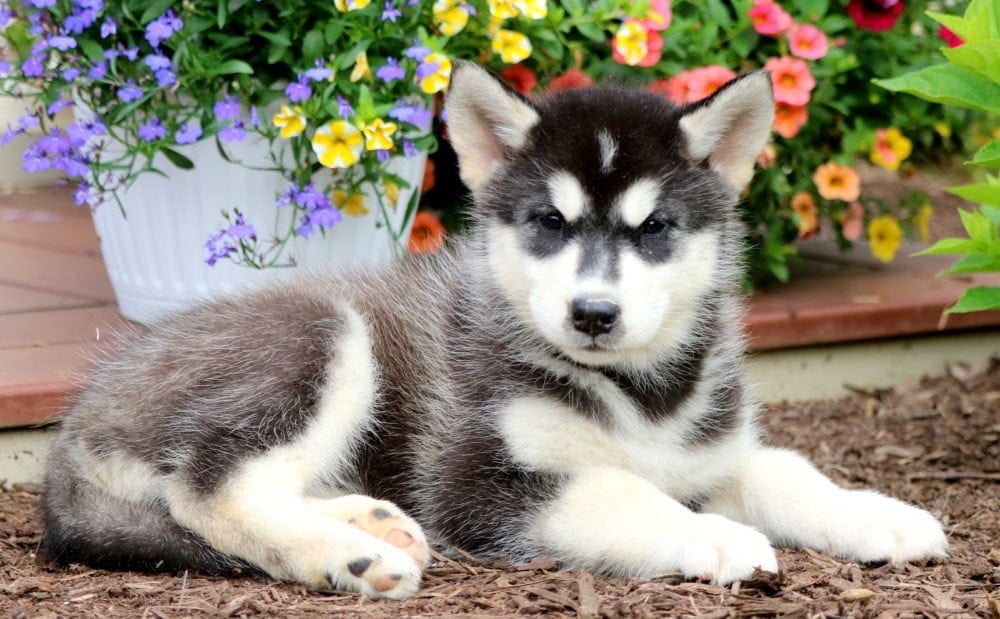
532,9
884,235
378,134
837,182
890,149
631,41
291,120
337,144
512,46
451,16
437,81
351,5
361,68
923,221
353,205
391,192
503,9
943,129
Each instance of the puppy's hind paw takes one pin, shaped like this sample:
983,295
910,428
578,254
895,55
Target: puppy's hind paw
380,519
391,574
873,528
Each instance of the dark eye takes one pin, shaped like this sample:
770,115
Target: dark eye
653,226
551,221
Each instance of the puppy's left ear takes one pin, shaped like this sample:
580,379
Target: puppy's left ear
731,128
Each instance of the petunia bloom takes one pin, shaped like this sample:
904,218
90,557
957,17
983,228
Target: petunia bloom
875,15
350,5
791,79
837,182
574,78
807,41
338,144
789,119
436,73
949,37
891,147
361,68
503,9
658,15
291,121
532,9
520,78
378,134
694,85
854,220
512,46
450,16
769,18
428,234
634,45
884,236
806,214
353,205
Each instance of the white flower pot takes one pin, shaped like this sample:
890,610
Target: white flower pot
155,255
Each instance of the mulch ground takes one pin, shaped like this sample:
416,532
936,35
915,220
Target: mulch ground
936,443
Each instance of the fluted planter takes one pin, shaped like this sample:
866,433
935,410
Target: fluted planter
155,254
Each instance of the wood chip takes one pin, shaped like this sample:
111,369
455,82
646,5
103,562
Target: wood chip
856,595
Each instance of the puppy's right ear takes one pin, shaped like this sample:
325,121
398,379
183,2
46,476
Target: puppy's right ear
487,122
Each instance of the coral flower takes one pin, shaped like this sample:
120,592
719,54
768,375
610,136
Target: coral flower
875,15
502,9
792,80
788,119
574,78
428,234
338,144
890,149
512,46
806,213
631,43
884,235
767,157
532,9
378,135
292,121
438,76
350,5
520,78
922,221
353,205
694,85
837,182
949,37
450,16
854,219
658,15
769,18
807,41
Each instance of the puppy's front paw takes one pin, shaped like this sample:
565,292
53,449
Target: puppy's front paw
872,528
720,550
384,573
380,519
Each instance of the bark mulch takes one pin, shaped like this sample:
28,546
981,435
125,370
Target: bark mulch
936,443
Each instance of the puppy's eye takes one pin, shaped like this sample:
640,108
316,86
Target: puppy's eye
551,221
653,226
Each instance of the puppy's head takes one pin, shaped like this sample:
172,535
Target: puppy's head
608,212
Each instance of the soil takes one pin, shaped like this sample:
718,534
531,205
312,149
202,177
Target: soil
936,444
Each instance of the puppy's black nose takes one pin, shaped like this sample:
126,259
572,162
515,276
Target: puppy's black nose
593,317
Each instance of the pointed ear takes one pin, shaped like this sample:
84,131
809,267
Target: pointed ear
487,122
731,128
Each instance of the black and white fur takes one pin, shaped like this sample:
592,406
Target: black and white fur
568,382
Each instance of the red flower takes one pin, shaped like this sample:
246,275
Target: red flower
574,78
520,78
875,15
949,37
428,234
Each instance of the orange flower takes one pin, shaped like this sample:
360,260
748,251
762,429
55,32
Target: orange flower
854,220
767,157
788,119
694,85
806,212
837,182
792,80
430,178
574,78
428,234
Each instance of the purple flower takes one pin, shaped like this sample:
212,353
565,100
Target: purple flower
33,66
81,131
165,77
129,92
391,71
344,108
28,121
4,67
162,28
409,149
240,229
155,62
217,248
131,53
390,13
412,113
298,91
34,159
325,217
81,195
80,20
318,73
417,51
57,106
381,155
288,197
305,227
43,4
426,69
152,129
310,199
62,43
234,132
98,71
70,74
108,28
254,117
9,135
72,165
187,134
227,109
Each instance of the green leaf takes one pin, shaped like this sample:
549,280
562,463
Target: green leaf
92,49
230,67
988,155
574,7
978,23
177,159
982,57
154,10
974,263
977,226
313,45
981,193
278,38
948,84
949,246
592,31
977,299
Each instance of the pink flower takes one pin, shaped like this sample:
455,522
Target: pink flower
854,220
949,37
791,79
807,41
769,18
694,85
875,15
658,16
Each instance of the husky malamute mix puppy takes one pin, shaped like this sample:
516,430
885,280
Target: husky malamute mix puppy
567,382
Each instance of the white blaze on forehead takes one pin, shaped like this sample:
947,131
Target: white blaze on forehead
637,202
567,195
608,150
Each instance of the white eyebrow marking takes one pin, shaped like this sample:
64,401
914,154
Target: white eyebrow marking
567,195
608,150
637,202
